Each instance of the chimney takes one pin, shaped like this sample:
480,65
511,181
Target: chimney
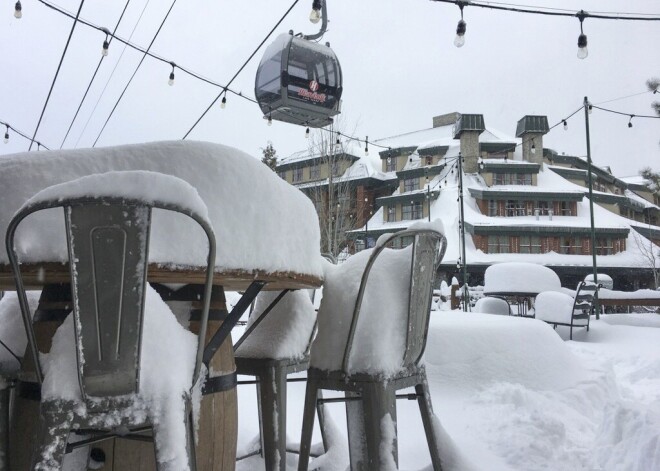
467,129
532,129
448,119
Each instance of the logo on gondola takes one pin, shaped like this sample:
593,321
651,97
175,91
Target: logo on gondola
311,93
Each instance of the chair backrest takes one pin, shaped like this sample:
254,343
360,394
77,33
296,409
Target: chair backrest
584,297
428,249
108,250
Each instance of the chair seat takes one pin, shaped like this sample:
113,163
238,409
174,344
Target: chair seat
554,307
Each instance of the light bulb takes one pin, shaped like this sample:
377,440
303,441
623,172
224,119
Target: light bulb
565,126
170,82
630,125
307,133
582,46
18,11
366,151
590,109
6,137
104,51
315,16
459,41
223,103
270,120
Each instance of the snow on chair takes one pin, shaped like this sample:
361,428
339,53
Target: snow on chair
121,365
275,344
557,308
370,344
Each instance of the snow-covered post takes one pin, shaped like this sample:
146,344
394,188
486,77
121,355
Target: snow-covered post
587,107
455,303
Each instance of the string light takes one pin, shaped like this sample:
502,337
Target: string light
18,10
366,146
630,121
590,108
270,120
315,14
7,134
459,41
307,133
338,143
223,103
170,82
582,39
565,126
106,44
9,127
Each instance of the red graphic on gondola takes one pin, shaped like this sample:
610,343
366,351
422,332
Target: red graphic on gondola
311,93
313,85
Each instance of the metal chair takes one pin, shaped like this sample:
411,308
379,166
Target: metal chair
578,316
371,396
108,241
271,381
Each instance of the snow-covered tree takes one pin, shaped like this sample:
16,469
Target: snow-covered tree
269,156
650,256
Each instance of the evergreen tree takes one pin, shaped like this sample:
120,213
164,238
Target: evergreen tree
654,86
653,179
269,156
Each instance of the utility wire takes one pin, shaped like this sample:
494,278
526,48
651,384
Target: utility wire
112,74
22,134
98,66
52,85
242,67
134,73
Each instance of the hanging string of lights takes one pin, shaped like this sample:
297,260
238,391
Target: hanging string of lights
104,53
130,80
581,15
57,72
9,127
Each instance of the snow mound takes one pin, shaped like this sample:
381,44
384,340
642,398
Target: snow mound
260,221
12,331
468,350
287,329
491,305
551,306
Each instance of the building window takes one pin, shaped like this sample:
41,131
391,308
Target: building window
391,213
282,175
410,184
530,244
412,211
315,172
297,174
515,208
569,245
498,244
390,164
512,179
496,155
492,208
604,246
429,160
566,208
543,207
335,169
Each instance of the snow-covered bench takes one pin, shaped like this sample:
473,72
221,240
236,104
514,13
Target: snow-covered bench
561,309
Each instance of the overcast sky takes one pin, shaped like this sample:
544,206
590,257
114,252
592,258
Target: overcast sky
399,63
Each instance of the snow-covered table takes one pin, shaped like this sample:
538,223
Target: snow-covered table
267,237
519,281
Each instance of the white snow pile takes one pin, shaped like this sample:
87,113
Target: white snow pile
260,221
168,358
12,331
552,306
285,332
492,305
520,277
385,305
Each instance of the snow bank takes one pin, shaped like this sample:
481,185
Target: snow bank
520,277
468,350
287,329
168,358
260,221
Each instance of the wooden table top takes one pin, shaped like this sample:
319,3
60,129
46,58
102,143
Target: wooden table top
37,275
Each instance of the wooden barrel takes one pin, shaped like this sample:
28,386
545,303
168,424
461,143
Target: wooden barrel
218,421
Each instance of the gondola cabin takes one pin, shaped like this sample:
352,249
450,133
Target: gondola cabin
299,82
